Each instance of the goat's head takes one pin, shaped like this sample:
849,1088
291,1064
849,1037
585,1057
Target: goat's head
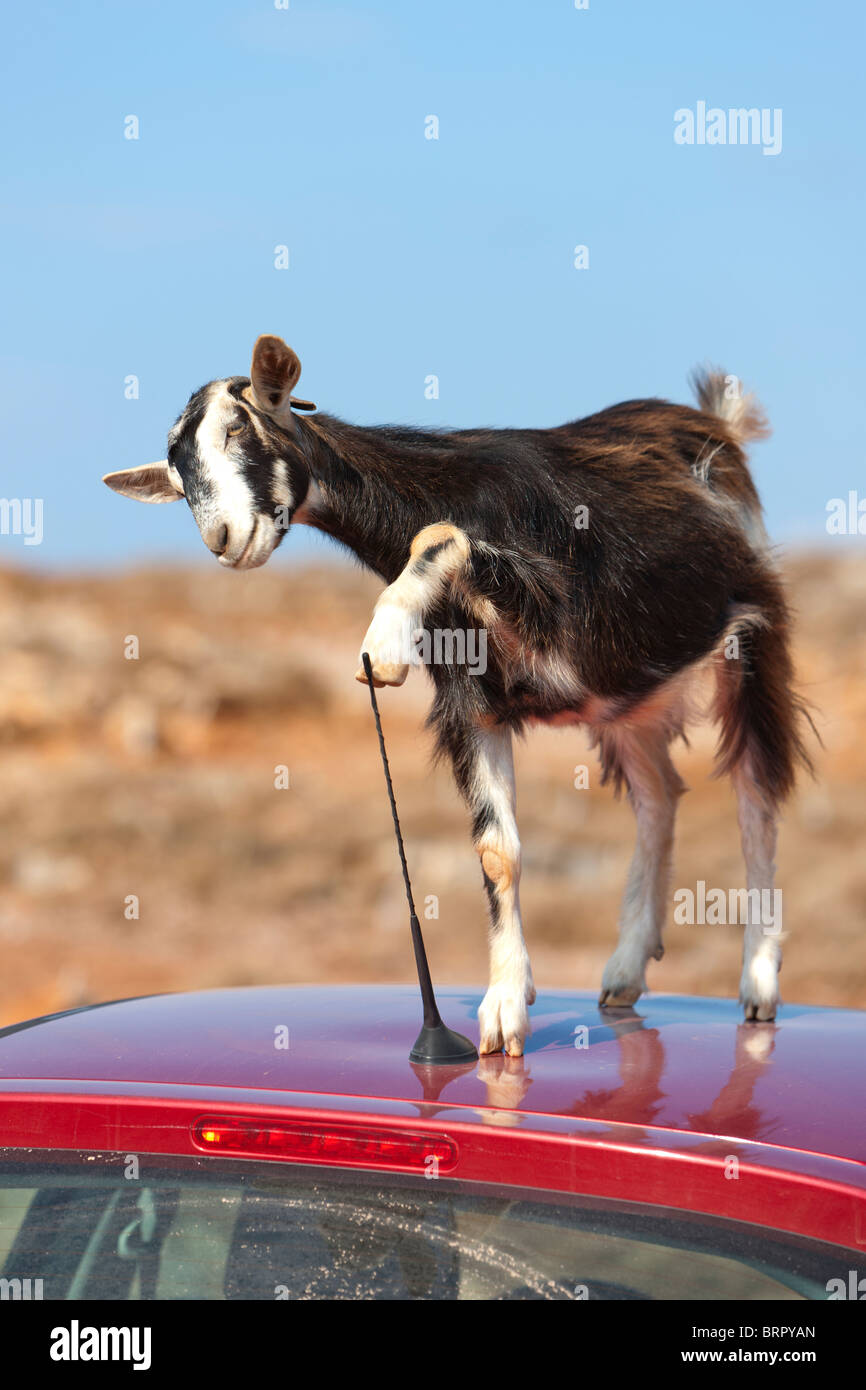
235,456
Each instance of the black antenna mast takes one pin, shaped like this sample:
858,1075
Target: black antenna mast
435,1043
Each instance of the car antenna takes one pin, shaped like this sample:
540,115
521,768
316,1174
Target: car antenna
435,1043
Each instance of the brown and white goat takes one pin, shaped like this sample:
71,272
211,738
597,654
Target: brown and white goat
610,562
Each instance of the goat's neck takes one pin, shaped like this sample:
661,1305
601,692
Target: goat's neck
360,501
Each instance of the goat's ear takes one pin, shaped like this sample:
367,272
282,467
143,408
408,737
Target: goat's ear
148,483
274,371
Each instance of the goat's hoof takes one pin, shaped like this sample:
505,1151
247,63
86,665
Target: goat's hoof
504,1020
756,1011
384,673
623,981
759,990
622,998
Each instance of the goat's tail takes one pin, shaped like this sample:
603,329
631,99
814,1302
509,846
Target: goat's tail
762,718
722,395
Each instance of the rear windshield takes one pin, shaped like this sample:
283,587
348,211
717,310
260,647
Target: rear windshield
115,1226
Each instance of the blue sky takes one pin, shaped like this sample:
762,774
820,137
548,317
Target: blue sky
305,127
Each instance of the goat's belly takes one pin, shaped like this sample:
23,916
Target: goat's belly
549,691
592,709
672,704
560,719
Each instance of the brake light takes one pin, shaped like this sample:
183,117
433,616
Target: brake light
321,1142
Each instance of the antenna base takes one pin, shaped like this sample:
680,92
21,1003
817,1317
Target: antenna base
441,1046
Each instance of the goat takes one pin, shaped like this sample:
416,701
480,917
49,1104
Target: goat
611,562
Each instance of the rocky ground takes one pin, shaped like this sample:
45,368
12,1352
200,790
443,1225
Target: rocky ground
144,845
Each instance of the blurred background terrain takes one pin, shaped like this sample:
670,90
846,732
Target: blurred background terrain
145,845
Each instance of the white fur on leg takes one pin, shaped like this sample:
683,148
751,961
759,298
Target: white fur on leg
762,952
759,982
654,786
503,1015
388,643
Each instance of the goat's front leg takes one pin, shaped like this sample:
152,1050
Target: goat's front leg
484,770
437,556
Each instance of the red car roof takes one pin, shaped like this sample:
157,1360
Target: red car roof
674,1063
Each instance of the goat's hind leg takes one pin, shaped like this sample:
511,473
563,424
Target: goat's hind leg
762,950
638,758
761,746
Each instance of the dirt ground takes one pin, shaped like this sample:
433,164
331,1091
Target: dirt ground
145,844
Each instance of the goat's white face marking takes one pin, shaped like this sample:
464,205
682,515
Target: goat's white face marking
238,488
227,496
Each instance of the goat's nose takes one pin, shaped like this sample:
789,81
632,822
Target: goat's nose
217,539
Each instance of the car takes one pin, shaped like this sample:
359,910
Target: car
276,1143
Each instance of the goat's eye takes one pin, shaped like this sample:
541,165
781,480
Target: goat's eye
236,429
